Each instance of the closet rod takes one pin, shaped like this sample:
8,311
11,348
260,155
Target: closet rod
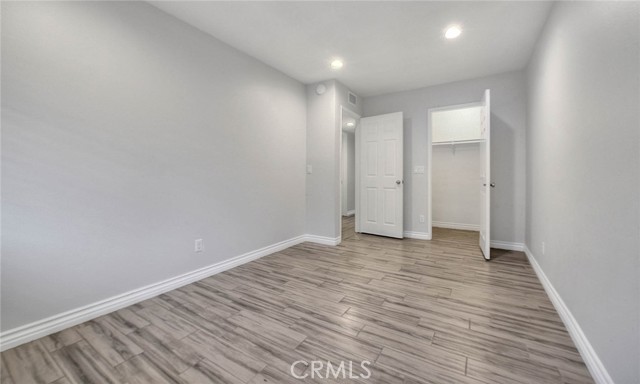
452,142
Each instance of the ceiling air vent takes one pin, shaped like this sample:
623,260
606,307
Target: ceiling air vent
353,99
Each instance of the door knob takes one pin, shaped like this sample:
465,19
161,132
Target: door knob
398,182
492,185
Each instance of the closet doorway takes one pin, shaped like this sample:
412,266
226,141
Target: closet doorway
458,168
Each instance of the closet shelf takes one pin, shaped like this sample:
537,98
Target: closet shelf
454,142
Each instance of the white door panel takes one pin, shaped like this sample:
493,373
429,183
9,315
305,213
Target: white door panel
381,184
485,176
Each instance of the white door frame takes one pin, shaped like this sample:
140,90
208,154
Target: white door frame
430,156
343,174
358,117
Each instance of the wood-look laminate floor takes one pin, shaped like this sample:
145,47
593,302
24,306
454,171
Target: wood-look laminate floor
419,311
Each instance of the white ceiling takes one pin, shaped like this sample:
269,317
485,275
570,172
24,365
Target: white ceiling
386,46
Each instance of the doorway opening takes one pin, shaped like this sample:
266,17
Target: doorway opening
455,133
462,125
349,123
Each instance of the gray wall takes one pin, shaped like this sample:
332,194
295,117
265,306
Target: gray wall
455,190
583,173
324,135
322,188
508,120
126,135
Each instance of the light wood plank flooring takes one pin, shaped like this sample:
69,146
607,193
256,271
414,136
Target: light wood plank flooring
419,311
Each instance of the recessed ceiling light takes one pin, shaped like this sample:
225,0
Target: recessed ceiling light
336,64
453,32
350,124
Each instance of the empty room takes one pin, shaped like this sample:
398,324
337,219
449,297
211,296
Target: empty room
320,192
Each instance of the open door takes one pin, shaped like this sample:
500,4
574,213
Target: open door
485,176
381,175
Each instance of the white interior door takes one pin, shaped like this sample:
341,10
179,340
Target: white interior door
485,176
380,173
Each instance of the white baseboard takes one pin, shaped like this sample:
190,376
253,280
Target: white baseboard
350,213
324,240
507,245
417,235
44,327
464,227
591,359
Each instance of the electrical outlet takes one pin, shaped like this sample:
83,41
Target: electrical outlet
543,247
199,246
422,218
